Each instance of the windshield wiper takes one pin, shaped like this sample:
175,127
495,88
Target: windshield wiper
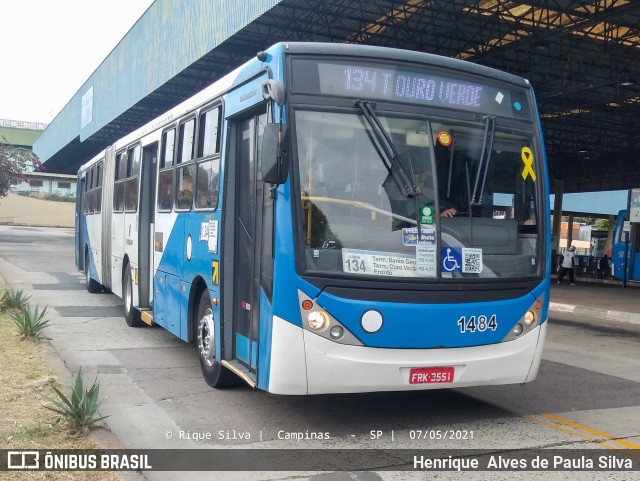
485,160
387,151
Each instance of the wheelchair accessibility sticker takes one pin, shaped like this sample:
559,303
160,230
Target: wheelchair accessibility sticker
461,259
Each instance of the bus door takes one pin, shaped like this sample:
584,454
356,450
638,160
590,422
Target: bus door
146,223
80,221
248,239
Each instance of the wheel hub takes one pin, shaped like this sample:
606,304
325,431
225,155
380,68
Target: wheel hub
206,337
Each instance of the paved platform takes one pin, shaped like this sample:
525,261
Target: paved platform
597,299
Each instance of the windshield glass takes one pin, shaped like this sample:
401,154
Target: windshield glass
358,219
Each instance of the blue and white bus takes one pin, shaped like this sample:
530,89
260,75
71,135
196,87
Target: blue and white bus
333,218
626,241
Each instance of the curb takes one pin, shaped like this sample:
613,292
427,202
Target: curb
594,312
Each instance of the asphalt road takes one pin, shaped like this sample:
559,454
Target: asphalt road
587,394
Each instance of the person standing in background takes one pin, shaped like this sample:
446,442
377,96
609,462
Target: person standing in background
568,263
603,267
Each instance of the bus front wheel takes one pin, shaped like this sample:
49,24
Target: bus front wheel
131,315
214,373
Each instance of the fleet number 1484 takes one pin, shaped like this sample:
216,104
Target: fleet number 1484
480,324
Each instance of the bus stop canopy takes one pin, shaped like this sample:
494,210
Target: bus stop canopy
582,57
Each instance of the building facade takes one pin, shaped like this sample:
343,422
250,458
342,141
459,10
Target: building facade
15,133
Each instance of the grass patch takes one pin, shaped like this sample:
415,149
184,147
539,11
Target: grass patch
26,423
41,373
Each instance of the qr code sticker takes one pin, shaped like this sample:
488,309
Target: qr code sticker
471,261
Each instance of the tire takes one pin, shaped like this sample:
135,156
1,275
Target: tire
131,315
214,373
93,286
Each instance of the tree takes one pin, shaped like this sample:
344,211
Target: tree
602,224
14,163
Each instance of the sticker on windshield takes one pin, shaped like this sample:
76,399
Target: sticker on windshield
451,259
426,214
355,261
527,158
410,236
426,262
461,259
471,260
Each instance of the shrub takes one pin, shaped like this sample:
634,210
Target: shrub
78,410
30,322
14,300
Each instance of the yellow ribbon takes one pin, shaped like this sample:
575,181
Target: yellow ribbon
527,157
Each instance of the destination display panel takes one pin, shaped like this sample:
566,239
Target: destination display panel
428,86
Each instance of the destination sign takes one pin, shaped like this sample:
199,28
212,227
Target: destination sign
429,87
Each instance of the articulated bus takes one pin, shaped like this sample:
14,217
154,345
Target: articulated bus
333,218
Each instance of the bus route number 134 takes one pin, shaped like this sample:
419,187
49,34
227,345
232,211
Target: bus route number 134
480,324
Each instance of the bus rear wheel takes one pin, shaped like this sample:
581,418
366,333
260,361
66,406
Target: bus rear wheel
131,315
214,373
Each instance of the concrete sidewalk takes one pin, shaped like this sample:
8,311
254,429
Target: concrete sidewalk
598,299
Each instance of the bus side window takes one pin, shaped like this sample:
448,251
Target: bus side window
92,186
118,187
184,173
98,193
131,184
165,180
207,172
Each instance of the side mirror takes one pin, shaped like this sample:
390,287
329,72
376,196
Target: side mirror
275,165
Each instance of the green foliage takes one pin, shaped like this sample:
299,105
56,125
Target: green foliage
60,198
78,410
14,162
602,225
14,299
30,322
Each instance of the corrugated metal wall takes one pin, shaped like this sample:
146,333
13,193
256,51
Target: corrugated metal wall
169,37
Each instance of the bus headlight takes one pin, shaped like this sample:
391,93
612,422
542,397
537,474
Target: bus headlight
318,320
336,332
529,321
517,330
529,318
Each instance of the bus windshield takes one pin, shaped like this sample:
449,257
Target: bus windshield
475,213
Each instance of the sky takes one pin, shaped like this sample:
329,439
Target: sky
49,48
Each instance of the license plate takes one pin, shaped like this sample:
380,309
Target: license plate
430,375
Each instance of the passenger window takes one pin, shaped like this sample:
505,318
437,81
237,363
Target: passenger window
118,187
90,194
184,179
185,144
98,192
168,146
207,184
208,143
165,178
133,161
131,185
121,166
208,170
